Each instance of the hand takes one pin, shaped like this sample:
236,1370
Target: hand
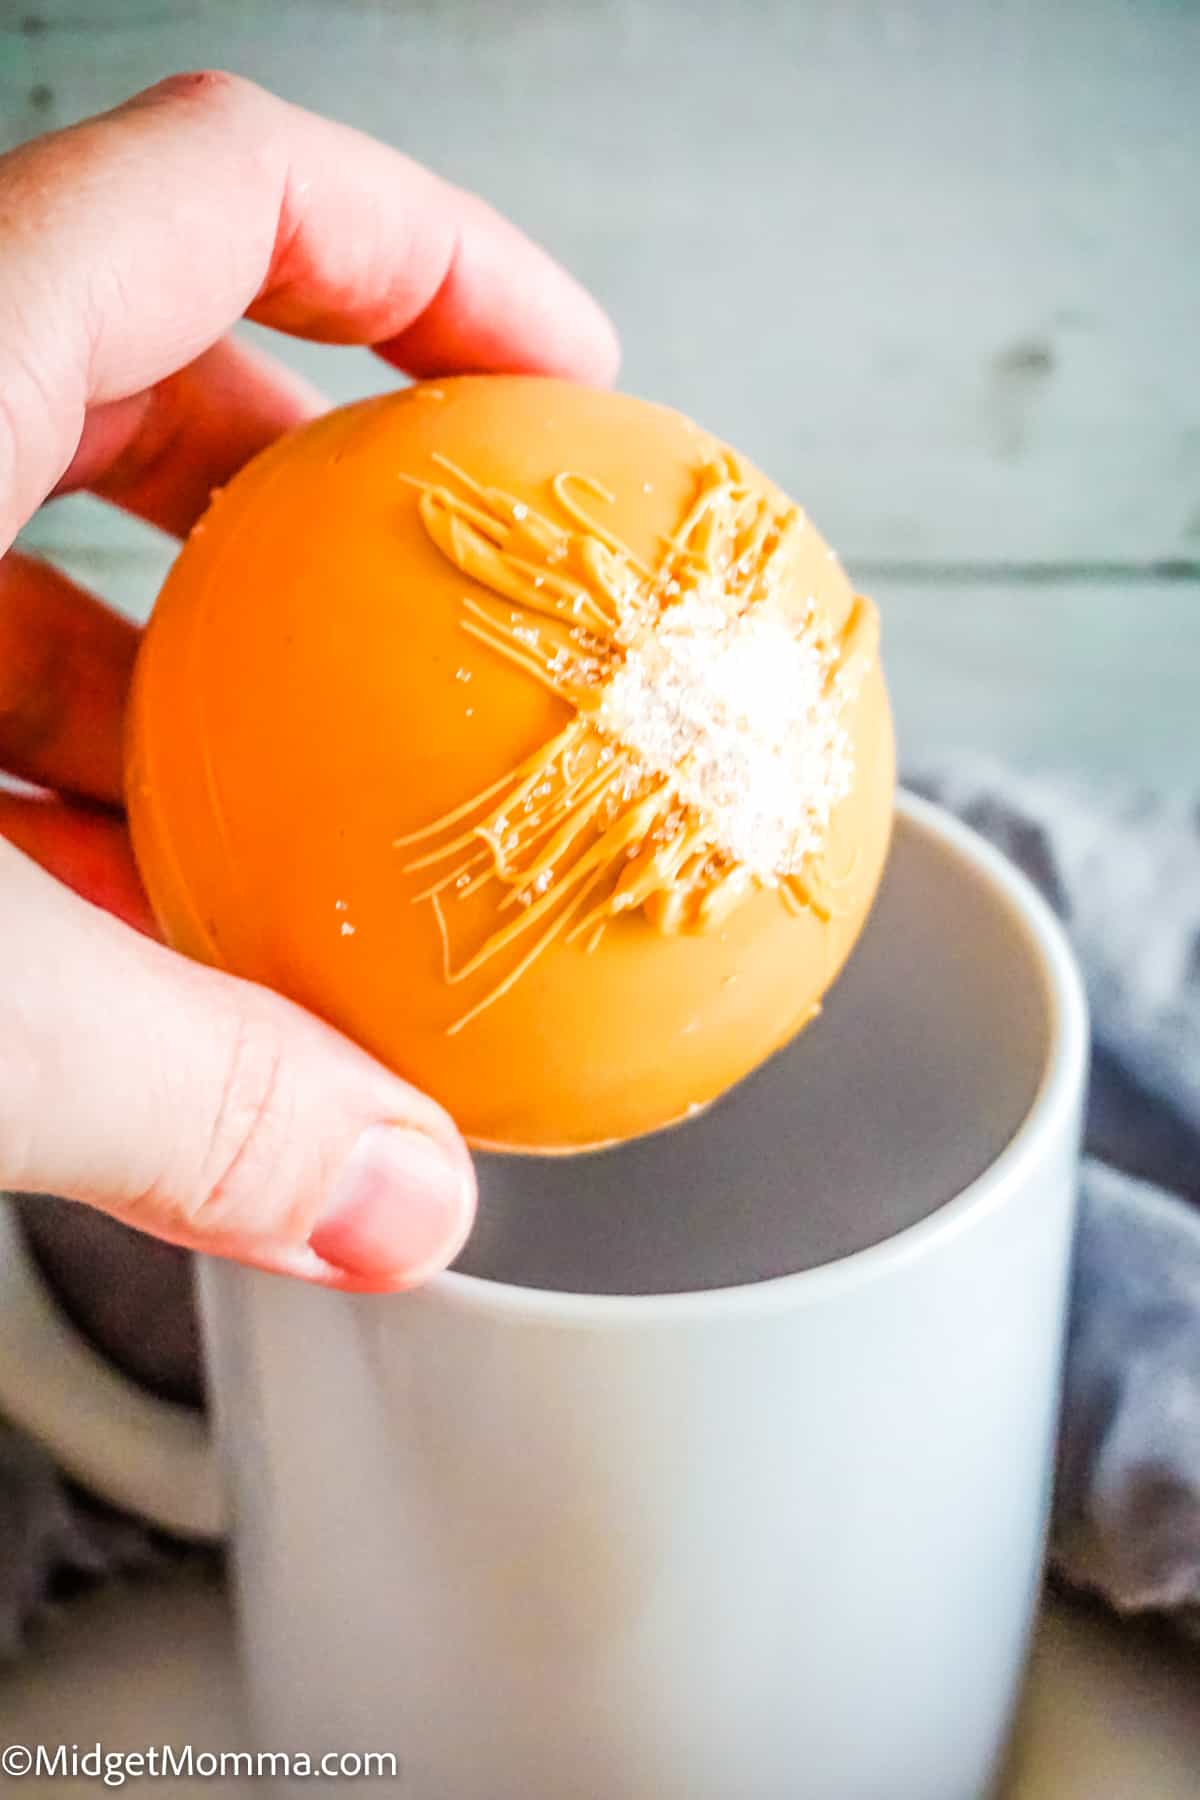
201,1108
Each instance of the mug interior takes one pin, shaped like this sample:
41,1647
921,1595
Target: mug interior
924,1064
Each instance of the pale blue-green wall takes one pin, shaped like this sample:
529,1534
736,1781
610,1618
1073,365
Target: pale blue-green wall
935,264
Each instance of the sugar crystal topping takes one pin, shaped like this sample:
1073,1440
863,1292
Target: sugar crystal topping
739,713
706,745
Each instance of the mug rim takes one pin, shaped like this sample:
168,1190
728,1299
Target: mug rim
1049,1113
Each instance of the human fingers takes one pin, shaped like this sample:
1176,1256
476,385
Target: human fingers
160,454
131,243
208,1111
65,666
85,847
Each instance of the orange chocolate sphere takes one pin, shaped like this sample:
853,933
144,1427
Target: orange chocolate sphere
530,737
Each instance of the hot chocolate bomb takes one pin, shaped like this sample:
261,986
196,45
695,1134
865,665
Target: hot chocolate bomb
528,735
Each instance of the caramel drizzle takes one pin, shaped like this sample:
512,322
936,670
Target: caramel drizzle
581,832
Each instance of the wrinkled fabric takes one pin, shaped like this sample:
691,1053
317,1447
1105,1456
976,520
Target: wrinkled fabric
1122,870
55,1542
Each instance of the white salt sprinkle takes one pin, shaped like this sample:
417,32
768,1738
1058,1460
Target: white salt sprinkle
735,712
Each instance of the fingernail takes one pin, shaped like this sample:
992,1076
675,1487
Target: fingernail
401,1208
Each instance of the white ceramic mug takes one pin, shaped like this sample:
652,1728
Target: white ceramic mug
719,1470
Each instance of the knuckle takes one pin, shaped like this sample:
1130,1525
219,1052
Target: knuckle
11,449
41,418
212,90
246,1137
229,108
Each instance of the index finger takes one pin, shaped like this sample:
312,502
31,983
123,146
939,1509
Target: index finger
130,243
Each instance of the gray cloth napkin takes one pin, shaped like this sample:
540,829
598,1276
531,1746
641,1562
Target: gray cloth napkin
1122,869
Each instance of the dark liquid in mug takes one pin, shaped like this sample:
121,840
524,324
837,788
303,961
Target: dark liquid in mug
921,1069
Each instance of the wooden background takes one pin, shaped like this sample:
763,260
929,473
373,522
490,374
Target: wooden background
934,263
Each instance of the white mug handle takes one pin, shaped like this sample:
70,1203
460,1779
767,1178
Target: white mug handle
142,1454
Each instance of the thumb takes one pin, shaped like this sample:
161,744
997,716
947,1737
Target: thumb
208,1111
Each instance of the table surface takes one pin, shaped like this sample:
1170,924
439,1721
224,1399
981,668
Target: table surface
1111,1712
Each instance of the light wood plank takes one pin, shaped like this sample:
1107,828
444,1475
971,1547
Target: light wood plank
1102,678
937,266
